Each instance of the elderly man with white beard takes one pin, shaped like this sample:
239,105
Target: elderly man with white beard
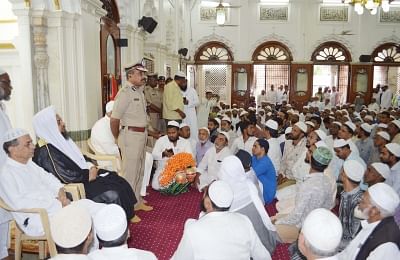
209,166
23,184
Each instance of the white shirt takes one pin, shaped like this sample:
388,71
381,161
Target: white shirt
163,143
271,97
210,165
190,109
103,140
279,96
261,98
386,99
29,186
384,251
275,153
240,144
373,107
222,236
121,253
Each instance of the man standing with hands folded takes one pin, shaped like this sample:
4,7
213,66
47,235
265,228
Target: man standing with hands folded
173,105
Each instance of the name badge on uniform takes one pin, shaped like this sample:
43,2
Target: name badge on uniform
135,99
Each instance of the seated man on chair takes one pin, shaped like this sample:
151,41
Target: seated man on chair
23,184
58,154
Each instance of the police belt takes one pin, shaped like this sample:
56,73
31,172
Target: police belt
135,128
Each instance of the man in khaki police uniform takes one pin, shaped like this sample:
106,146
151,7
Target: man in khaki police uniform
173,100
130,113
153,99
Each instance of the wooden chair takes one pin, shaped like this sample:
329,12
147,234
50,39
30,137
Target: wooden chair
20,236
77,190
97,156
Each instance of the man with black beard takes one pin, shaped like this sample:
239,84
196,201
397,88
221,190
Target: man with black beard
190,102
57,153
166,147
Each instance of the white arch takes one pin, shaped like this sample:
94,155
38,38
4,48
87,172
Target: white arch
335,38
212,37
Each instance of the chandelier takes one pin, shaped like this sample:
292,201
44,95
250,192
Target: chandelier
371,5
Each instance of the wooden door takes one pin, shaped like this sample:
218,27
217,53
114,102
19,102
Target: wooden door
110,54
242,75
301,82
361,82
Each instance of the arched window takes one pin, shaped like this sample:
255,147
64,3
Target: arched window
331,68
213,68
387,53
213,52
272,51
271,67
331,52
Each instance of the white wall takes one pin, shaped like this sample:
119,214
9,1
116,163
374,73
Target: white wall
302,33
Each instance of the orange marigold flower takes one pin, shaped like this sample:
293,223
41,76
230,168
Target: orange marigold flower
177,162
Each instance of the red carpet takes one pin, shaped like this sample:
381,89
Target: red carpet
161,229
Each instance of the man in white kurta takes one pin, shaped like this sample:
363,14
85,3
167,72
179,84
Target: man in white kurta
386,98
220,234
378,204
103,142
5,217
23,184
209,166
165,147
190,102
204,109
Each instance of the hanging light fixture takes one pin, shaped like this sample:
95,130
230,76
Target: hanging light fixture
220,11
371,5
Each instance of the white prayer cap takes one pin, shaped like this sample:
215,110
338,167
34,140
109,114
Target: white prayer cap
243,113
109,106
268,107
322,229
302,126
205,129
332,117
382,168
173,123
382,125
269,114
321,134
354,170
384,135
337,123
182,125
251,108
110,222
307,107
366,127
225,134
180,74
2,71
221,194
288,130
218,120
14,133
384,196
310,124
66,231
394,148
321,144
351,125
338,143
225,118
368,117
271,124
396,123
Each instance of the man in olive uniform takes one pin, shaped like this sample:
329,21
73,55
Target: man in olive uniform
173,99
161,123
153,99
130,113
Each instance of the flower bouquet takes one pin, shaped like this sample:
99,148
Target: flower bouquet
178,173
